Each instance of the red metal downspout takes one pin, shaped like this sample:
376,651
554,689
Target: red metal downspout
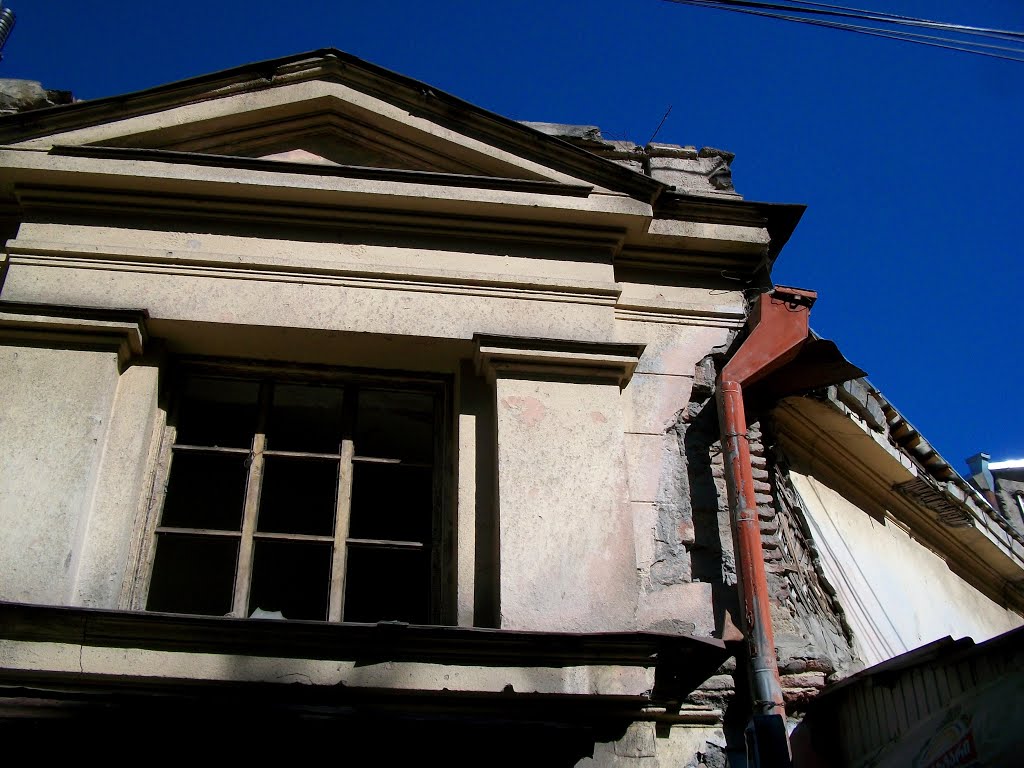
779,329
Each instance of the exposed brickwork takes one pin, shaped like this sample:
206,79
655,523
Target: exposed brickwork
811,634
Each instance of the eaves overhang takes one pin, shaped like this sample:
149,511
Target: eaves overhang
836,441
332,65
781,218
935,475
753,232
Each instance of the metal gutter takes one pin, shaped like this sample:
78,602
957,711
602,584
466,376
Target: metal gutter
779,333
779,330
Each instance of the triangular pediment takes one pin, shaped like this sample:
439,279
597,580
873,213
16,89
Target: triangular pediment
322,108
321,130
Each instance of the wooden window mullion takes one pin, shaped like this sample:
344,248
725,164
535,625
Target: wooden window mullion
243,573
341,526
440,532
343,511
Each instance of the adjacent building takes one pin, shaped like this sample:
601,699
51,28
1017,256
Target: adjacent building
1002,484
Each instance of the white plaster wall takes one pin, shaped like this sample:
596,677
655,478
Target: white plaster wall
897,594
567,559
54,413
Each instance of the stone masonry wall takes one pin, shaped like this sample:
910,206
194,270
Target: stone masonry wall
706,538
813,641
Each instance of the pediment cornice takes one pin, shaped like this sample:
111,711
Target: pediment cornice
327,75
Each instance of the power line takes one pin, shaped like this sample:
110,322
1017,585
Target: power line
897,17
966,43
842,11
909,37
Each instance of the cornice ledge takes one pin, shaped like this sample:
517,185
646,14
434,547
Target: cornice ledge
435,178
119,330
661,311
526,357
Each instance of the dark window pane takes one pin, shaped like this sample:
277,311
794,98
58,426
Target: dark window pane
298,496
220,412
305,418
291,577
395,425
206,490
193,574
387,585
391,501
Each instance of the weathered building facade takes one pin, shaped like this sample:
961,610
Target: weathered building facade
345,406
1002,484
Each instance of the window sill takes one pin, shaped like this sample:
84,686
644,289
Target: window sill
100,647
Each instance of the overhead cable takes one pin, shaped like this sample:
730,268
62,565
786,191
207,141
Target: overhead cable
966,42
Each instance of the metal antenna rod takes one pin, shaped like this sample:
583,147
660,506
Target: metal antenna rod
6,25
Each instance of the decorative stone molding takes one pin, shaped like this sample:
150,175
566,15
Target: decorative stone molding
120,331
586,360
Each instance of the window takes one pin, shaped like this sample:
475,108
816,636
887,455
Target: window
314,496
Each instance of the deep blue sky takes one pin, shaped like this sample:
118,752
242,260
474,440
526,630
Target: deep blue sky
910,159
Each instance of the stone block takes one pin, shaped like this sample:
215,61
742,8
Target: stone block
719,683
638,741
633,165
648,459
652,402
672,349
857,396
680,609
804,680
655,149
727,156
686,532
645,522
709,173
874,415
566,130
24,95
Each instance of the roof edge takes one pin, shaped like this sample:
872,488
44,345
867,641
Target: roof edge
335,65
